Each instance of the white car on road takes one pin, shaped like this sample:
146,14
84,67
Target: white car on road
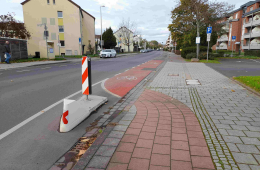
107,53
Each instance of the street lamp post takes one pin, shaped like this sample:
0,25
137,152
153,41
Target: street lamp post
101,26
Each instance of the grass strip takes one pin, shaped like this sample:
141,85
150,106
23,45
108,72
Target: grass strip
251,81
216,61
240,57
33,60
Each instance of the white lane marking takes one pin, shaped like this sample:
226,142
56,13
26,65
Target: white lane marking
103,86
239,61
3,135
133,67
22,71
45,68
63,65
126,70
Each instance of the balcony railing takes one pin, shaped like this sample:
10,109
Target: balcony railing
222,39
255,23
253,35
252,47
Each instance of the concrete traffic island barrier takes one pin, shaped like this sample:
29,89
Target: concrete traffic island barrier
74,112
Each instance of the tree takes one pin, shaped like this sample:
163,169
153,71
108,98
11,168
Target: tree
10,27
109,39
154,44
190,15
90,48
128,29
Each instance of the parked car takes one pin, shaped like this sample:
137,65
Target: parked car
107,53
143,51
158,49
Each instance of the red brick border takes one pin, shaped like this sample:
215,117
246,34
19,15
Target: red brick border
165,134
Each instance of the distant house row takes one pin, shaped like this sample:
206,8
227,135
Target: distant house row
244,24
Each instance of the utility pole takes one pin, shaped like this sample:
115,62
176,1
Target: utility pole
101,26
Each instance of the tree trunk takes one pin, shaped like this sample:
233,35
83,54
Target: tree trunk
128,48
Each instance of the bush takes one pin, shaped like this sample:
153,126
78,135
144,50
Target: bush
203,56
191,55
255,53
188,50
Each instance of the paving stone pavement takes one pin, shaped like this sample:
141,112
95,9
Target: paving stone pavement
229,114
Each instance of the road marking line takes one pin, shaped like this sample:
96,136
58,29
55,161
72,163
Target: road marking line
63,65
3,135
126,70
22,71
133,67
103,86
117,74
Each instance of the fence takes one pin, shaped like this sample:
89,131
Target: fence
18,48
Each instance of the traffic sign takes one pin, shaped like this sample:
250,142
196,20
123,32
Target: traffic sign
79,40
208,37
209,30
197,40
233,38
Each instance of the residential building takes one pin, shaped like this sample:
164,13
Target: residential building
244,24
137,39
251,26
67,23
124,37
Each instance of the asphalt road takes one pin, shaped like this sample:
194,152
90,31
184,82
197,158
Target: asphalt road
237,67
27,91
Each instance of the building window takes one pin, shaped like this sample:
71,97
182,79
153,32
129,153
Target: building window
61,28
53,2
251,9
60,15
48,1
236,15
44,20
53,36
62,43
52,21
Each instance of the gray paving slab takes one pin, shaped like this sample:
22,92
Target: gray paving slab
229,114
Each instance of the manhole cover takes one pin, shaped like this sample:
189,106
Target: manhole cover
192,82
173,74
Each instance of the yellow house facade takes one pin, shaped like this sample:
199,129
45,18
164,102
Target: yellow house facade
69,27
123,36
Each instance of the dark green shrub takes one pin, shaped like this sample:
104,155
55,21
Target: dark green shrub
188,50
203,56
215,55
255,53
191,55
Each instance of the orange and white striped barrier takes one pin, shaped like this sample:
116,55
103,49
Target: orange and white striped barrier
85,85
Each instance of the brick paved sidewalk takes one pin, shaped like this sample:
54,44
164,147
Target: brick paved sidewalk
164,134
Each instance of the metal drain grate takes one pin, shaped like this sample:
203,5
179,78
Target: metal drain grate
193,82
173,74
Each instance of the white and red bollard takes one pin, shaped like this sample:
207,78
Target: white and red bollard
74,112
85,83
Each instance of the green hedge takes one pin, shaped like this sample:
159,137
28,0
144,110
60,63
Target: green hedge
188,50
255,53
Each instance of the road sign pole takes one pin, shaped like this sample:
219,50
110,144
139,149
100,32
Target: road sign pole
208,52
232,49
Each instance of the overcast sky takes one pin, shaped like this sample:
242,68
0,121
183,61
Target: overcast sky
151,16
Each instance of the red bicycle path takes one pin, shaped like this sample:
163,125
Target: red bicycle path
121,84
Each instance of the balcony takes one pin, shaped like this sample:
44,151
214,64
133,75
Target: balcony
253,35
222,39
252,47
221,47
226,29
255,23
